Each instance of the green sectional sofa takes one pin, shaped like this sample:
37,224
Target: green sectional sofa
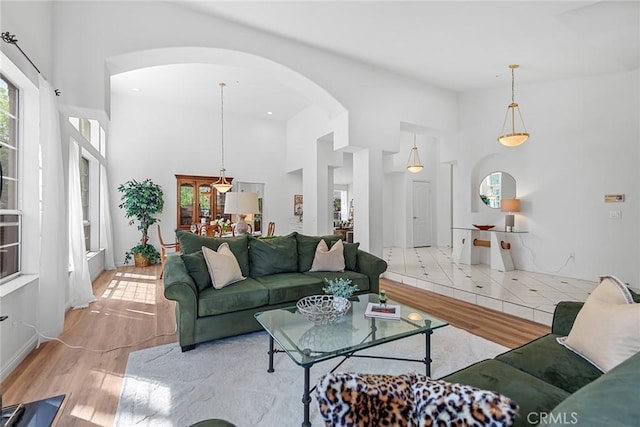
555,386
277,275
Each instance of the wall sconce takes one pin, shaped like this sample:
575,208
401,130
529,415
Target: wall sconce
509,205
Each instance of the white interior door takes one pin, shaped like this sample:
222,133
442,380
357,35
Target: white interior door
421,214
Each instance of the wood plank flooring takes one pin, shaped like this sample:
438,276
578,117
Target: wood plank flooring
131,309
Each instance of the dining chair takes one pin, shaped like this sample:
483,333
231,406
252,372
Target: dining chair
271,229
163,249
216,230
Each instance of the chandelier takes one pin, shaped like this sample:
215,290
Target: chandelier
514,138
413,164
222,185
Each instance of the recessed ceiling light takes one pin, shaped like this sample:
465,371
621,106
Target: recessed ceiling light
136,89
270,113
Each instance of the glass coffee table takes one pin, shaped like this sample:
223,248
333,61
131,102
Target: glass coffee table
307,343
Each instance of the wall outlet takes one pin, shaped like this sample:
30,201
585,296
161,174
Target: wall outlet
615,214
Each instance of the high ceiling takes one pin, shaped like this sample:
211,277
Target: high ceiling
460,45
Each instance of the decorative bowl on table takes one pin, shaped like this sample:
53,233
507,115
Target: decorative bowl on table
323,309
483,227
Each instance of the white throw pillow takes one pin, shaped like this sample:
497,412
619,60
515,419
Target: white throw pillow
222,265
328,260
606,331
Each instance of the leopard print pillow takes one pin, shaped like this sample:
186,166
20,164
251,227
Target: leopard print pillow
355,400
444,403
367,400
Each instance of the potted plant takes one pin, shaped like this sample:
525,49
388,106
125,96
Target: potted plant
340,287
140,201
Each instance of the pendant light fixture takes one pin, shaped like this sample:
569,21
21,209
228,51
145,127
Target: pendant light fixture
413,164
222,185
514,138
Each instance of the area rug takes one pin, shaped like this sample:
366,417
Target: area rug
228,378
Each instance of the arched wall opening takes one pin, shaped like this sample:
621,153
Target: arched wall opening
184,55
191,145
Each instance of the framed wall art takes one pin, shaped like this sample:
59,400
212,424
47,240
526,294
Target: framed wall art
297,204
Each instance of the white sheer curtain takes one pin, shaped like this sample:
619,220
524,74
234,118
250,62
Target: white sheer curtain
106,234
54,262
80,290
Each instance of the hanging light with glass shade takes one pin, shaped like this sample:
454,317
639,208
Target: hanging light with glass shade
513,138
222,185
413,164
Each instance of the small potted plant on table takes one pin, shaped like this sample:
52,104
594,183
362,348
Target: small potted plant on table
340,288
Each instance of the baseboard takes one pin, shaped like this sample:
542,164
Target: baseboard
18,357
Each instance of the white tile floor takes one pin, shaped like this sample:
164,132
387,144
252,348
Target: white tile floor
524,294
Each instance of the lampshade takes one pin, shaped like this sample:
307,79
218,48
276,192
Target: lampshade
413,164
241,203
510,205
513,138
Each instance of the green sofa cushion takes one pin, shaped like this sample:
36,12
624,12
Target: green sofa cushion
611,400
197,268
272,256
307,248
190,243
532,394
553,363
350,254
290,287
358,279
238,296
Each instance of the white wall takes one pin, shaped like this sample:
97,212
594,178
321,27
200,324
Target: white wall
16,339
583,145
31,23
155,140
88,44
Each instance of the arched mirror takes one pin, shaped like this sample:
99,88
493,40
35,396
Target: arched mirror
495,187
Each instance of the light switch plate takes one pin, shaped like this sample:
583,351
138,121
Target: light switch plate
615,214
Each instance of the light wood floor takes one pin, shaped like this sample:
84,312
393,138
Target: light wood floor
131,308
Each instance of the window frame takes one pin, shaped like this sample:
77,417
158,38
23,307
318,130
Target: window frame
90,135
28,168
13,208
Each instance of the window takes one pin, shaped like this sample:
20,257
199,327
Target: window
10,215
91,138
84,193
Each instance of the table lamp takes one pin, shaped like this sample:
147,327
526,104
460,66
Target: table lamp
242,204
509,205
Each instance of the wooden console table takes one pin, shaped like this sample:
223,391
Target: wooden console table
473,241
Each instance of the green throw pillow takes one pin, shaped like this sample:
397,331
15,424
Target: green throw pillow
191,243
350,255
271,256
197,268
307,248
